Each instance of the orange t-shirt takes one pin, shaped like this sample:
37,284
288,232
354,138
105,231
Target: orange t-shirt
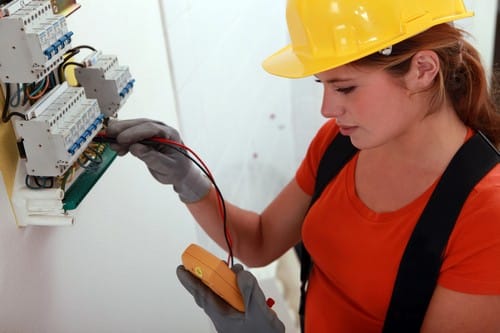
356,251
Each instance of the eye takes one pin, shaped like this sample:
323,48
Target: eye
345,90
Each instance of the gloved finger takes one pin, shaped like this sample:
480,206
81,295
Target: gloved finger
119,149
116,126
237,268
157,161
250,289
255,301
203,295
147,130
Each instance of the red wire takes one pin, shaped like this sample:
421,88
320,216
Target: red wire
207,170
219,199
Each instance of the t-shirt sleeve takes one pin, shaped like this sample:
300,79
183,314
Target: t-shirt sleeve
306,173
472,258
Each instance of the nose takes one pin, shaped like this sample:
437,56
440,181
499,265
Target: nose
331,106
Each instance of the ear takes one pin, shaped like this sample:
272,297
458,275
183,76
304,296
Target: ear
423,70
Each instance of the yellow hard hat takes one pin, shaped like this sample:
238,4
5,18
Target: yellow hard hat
329,33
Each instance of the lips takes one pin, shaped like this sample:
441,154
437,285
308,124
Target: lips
347,130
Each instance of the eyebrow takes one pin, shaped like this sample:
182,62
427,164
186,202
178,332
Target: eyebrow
334,80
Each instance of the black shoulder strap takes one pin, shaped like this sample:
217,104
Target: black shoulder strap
339,152
421,262
417,276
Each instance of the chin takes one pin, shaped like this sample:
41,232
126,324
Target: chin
362,144
356,142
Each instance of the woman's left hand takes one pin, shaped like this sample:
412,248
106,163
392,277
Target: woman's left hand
258,317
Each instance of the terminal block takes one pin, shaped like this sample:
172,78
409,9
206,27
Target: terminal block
104,79
32,41
56,130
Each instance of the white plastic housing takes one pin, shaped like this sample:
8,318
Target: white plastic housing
32,42
41,207
104,79
57,130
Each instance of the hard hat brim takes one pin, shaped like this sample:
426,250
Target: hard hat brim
287,64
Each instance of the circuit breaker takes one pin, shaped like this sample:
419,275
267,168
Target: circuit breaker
104,79
57,130
32,41
53,118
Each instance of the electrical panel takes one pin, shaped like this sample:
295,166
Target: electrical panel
55,99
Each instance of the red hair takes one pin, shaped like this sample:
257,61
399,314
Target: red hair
461,79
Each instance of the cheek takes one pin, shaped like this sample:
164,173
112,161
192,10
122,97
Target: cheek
384,115
384,105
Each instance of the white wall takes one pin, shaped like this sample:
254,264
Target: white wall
231,112
482,28
114,270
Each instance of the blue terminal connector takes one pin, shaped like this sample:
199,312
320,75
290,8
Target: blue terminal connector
59,45
127,88
67,36
99,119
48,52
86,134
74,147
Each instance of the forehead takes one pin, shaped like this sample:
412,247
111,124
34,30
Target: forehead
352,73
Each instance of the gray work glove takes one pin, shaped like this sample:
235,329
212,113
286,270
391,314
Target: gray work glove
166,164
258,317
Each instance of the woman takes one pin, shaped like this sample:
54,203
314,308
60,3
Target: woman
402,82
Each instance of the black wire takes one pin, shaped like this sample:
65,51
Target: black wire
76,48
5,112
25,98
212,180
6,103
52,80
70,54
27,182
48,182
15,100
74,51
66,64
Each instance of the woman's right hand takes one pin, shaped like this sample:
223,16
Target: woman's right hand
165,162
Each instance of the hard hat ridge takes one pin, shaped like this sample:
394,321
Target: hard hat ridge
329,33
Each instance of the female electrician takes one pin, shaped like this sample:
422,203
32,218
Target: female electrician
408,90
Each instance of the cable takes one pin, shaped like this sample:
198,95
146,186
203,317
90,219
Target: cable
15,100
73,63
6,99
79,47
220,200
43,84
67,56
47,182
5,112
186,151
